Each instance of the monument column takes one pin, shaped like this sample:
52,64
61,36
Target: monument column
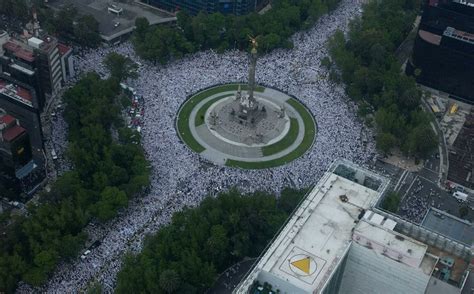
253,65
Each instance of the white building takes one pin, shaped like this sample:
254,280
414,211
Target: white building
336,243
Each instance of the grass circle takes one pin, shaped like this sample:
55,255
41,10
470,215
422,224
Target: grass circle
305,123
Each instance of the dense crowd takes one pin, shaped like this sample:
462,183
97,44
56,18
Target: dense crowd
182,178
418,201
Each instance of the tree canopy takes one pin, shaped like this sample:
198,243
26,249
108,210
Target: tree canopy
120,67
365,61
107,172
221,32
186,255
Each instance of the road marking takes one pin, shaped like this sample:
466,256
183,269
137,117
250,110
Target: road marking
409,188
430,170
427,180
398,186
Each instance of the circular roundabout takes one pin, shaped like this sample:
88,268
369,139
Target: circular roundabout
230,125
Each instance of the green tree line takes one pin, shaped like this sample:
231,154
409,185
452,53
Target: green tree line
365,61
221,32
187,255
107,172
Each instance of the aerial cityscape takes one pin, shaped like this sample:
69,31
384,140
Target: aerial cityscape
237,146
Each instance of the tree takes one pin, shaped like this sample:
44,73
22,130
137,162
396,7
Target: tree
120,67
86,31
199,242
169,281
326,62
289,198
391,202
63,21
141,28
94,288
463,211
385,142
106,172
422,141
111,199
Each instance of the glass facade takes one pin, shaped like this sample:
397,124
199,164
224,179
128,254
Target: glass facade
237,7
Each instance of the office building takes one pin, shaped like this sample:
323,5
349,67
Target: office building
237,7
38,61
19,100
18,170
443,53
337,241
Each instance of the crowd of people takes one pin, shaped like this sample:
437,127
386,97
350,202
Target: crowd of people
181,177
418,201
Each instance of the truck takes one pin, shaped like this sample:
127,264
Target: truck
460,196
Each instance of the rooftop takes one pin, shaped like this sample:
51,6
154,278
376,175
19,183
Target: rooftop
6,119
465,2
19,50
449,226
111,25
16,92
63,49
394,246
459,35
317,236
12,133
430,37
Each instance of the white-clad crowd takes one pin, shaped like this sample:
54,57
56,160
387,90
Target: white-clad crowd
180,177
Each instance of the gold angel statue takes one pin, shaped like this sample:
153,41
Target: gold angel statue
254,42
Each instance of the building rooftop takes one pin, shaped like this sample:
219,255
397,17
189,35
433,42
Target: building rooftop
6,119
449,226
19,50
318,235
430,37
16,92
111,25
459,35
12,133
465,2
394,245
63,49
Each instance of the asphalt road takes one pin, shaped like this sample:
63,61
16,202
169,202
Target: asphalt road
420,190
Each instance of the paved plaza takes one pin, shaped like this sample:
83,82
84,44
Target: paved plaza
231,139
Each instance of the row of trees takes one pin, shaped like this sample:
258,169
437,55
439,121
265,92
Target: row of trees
186,255
366,62
220,32
108,170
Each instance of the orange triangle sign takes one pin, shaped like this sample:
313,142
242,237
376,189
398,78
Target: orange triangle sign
302,264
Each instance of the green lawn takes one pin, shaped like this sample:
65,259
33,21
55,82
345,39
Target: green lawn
284,143
187,108
199,119
310,132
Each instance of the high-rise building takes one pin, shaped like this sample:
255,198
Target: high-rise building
35,62
19,100
38,61
443,54
237,7
337,241
18,170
